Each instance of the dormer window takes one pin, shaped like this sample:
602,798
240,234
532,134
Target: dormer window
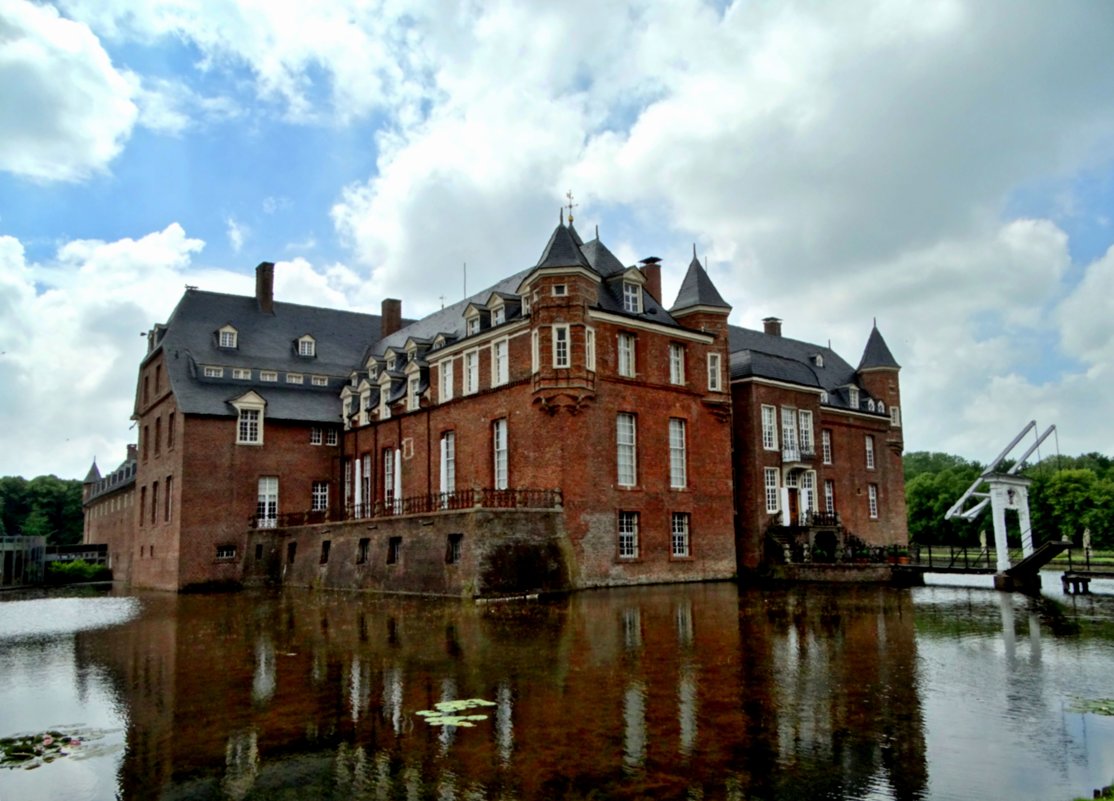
473,325
823,396
853,397
373,371
414,397
818,359
632,297
881,407
307,346
870,404
228,337
525,305
391,361
498,316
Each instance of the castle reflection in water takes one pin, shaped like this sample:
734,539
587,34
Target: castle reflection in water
704,691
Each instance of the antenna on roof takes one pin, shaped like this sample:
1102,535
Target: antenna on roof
442,301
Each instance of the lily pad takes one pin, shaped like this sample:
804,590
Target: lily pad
1097,706
446,713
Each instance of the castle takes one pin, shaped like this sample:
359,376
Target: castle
562,429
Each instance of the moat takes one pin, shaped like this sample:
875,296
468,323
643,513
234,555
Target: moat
671,692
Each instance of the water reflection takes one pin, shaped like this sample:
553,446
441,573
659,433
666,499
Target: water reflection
699,692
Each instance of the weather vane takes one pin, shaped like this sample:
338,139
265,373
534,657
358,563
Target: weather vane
571,205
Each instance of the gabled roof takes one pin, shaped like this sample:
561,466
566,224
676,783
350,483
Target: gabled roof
697,289
877,354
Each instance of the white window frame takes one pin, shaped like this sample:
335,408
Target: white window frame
307,346
715,373
266,504
628,535
632,297
679,539
560,290
445,380
295,378
807,492
535,350
525,305
678,458
472,325
627,355
590,349
241,373
448,463
249,426
319,381
626,449
389,477
499,453
826,445
331,436
676,363
808,442
772,487
872,500
498,316
853,397
268,375
413,396
829,496
790,445
769,427
315,436
228,337
500,362
868,444
561,346
319,498
471,372
213,372
895,416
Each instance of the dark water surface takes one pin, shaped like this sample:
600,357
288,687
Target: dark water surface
697,692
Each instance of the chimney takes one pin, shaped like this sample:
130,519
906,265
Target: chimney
772,326
133,453
390,317
265,287
651,268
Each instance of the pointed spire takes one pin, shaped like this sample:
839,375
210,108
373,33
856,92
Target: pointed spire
697,289
562,250
877,353
94,474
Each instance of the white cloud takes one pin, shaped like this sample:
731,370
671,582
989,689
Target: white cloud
66,111
171,107
236,233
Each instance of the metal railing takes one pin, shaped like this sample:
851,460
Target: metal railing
418,505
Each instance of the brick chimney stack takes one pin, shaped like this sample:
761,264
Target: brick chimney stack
390,317
133,452
265,287
772,326
651,268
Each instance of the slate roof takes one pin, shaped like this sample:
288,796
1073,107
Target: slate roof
877,354
267,342
697,289
603,261
562,250
94,474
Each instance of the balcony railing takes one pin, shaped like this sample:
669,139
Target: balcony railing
798,453
419,505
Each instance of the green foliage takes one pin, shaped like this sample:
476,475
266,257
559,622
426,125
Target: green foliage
932,492
919,462
46,506
76,572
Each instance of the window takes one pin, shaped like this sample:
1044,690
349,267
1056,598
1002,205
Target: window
448,463
525,305
872,499
388,476
560,346
818,359
331,437
167,504
268,375
499,446
826,446
632,297
676,363
394,550
294,378
808,445
868,441
895,417
142,503
445,378
808,494
319,381
413,396
228,337
154,502
589,349
473,325
452,548
158,434
226,553
315,437
870,404
498,316
214,372
158,378
626,444
365,478
390,361
679,541
535,351
823,396
471,372
170,431
146,441
146,389
291,552
500,366
266,507
307,346
678,478
626,355
258,551
362,550
829,496
241,373
789,447
881,407
771,490
320,498
560,290
853,397
326,546
769,428
248,430
715,373
628,535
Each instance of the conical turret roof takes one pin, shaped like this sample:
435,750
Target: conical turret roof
697,289
877,353
562,251
94,474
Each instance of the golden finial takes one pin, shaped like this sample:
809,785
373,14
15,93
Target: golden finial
571,205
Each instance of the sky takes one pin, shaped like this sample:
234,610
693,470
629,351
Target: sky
943,168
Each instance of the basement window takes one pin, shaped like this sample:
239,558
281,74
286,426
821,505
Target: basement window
226,553
394,550
452,549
